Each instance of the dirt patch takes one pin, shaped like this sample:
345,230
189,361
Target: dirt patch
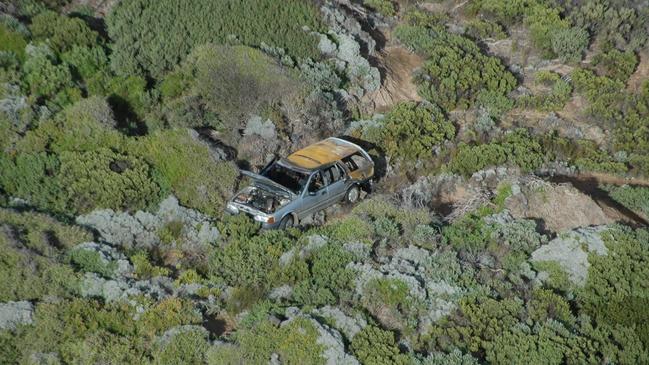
398,65
590,184
559,207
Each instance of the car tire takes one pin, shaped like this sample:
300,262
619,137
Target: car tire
287,222
353,194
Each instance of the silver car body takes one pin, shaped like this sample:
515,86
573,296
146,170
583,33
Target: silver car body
304,183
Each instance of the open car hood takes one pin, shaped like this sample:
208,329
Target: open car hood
268,184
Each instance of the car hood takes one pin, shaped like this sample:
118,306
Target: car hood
268,184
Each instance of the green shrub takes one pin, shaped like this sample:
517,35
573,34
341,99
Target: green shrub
62,32
410,131
469,233
603,93
42,233
248,261
188,347
384,7
220,86
50,81
31,276
329,279
168,30
548,29
615,64
11,41
84,126
31,177
558,92
613,24
348,229
90,261
632,197
374,346
481,29
86,61
517,148
569,44
541,17
195,178
456,70
144,269
105,179
295,343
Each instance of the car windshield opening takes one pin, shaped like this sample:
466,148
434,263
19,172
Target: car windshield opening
291,179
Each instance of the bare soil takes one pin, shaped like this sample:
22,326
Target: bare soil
397,65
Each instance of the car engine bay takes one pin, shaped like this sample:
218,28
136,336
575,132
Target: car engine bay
260,199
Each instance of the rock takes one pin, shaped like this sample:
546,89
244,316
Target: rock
282,292
264,129
315,242
94,286
140,230
570,250
561,207
13,314
349,326
108,254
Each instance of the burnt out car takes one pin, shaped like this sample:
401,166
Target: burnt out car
307,181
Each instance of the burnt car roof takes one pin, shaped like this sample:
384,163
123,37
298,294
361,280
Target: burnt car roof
322,153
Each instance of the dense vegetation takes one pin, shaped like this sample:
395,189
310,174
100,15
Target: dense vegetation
121,139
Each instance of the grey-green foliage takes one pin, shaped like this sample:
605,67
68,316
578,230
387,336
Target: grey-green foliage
569,44
219,86
456,70
151,36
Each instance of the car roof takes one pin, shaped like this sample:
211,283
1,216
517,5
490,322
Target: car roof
322,153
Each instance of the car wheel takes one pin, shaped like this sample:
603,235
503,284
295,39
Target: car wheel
287,222
353,194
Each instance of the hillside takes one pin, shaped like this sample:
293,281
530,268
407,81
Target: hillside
507,221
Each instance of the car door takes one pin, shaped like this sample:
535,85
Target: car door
315,195
337,186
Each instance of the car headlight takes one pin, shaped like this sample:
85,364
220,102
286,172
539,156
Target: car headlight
265,219
232,208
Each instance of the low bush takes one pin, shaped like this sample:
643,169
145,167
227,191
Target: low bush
411,131
11,41
384,7
168,30
90,261
62,32
186,166
374,346
105,179
456,70
295,343
569,44
329,280
633,197
615,64
144,269
517,148
555,96
221,86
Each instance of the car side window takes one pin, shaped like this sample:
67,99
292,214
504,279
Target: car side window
336,173
328,178
316,183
